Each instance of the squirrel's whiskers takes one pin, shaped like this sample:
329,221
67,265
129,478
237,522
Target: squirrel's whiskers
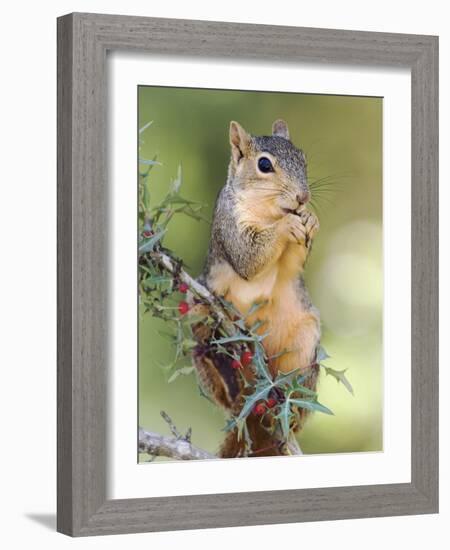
260,239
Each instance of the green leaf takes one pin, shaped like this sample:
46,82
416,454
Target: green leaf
240,324
248,439
176,184
302,389
284,416
146,195
240,424
284,379
150,243
259,360
279,354
311,405
236,338
141,130
148,162
339,375
257,325
229,306
183,371
230,423
251,400
155,280
321,354
189,344
177,200
255,306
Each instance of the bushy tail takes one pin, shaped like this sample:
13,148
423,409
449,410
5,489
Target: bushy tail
261,441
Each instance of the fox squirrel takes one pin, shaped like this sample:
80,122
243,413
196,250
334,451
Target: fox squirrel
261,237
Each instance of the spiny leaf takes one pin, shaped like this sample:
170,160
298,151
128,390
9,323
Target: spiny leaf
178,200
183,371
250,401
229,306
298,388
176,184
282,352
189,344
241,425
255,306
230,424
339,375
148,162
248,439
237,338
286,378
141,130
284,416
321,354
259,360
257,325
149,244
240,324
311,405
155,280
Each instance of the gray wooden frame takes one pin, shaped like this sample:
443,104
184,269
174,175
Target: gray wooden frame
83,41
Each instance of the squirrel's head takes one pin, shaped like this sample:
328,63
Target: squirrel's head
268,171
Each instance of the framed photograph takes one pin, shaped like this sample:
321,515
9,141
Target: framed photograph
247,274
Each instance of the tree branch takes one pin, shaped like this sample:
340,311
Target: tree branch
182,449
171,447
196,288
293,445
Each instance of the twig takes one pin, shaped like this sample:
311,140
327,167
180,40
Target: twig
172,426
171,447
197,288
293,445
174,430
182,449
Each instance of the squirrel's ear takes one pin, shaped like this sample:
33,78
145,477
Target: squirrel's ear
239,141
280,129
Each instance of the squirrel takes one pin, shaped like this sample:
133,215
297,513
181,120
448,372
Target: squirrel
261,237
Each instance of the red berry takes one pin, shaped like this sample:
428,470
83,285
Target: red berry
147,233
235,364
183,308
246,358
259,409
183,288
271,402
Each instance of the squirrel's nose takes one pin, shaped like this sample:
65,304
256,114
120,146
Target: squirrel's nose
303,197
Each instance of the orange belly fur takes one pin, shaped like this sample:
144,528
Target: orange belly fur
289,325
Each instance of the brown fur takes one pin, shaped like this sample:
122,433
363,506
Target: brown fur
261,238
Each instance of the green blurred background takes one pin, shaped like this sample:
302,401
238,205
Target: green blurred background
342,139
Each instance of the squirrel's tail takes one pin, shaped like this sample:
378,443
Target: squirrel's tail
262,442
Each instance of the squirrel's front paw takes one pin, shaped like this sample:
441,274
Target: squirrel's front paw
311,224
294,229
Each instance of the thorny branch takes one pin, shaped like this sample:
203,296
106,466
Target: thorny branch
171,447
178,446
196,288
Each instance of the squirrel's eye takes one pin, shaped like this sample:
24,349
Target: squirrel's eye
265,165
